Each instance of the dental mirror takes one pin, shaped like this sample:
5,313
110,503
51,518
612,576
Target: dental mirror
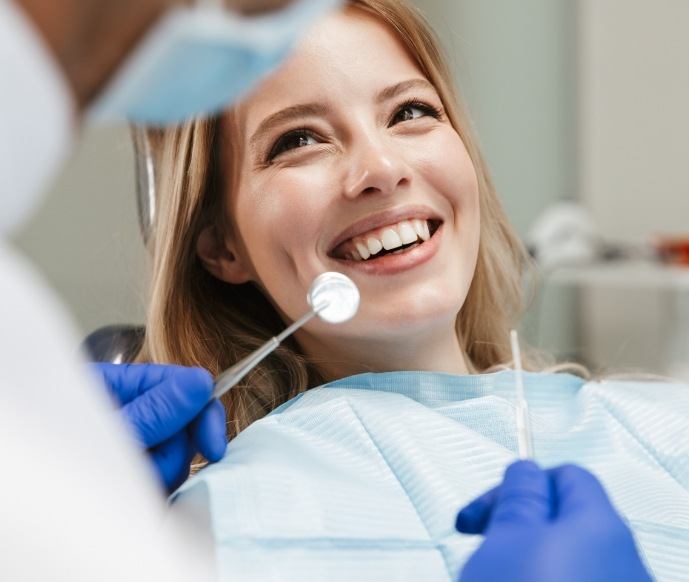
337,294
332,296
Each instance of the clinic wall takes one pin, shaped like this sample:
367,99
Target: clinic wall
85,238
634,160
515,63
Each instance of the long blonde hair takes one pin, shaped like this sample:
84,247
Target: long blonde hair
196,319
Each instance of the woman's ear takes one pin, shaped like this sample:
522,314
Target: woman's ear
220,257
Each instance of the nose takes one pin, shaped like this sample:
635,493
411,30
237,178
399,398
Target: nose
374,167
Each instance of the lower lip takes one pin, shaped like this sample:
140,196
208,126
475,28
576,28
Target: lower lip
393,264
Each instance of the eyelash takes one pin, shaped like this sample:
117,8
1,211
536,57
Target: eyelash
279,148
428,109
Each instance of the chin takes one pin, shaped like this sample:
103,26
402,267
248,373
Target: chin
421,314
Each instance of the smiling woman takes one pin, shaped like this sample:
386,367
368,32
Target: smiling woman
355,156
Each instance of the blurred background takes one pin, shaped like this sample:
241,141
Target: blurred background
581,102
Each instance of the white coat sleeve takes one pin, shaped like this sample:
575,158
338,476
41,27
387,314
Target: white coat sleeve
78,501
37,117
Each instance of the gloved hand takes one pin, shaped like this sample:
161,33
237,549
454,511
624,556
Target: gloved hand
549,526
167,408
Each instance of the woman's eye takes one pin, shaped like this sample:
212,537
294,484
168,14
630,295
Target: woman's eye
410,111
292,141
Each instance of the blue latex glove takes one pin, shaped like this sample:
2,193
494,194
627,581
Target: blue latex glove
167,408
549,526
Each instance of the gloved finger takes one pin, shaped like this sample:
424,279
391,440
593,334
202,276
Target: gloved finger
473,517
577,491
524,497
209,431
108,375
168,407
128,381
583,504
172,460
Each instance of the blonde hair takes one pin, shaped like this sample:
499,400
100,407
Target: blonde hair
195,319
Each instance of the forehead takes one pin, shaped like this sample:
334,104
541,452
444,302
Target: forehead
348,57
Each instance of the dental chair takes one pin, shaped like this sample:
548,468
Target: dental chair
116,344
119,344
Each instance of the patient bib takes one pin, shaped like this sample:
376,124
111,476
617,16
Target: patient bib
361,479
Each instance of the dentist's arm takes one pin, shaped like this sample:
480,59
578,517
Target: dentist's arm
556,525
168,411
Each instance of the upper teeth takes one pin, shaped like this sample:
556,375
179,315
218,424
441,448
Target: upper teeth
388,238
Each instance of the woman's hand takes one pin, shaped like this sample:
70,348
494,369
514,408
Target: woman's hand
168,409
545,526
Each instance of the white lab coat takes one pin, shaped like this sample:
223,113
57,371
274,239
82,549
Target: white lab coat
77,500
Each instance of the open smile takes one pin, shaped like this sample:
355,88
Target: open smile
394,247
392,239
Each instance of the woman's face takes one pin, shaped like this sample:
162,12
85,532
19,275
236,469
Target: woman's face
349,164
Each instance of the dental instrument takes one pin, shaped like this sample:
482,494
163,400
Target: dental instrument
332,296
524,435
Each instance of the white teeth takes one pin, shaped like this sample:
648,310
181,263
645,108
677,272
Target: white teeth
418,226
363,250
374,245
407,233
421,227
390,239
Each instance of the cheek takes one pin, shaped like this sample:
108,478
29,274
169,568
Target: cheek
449,169
292,205
452,175
279,217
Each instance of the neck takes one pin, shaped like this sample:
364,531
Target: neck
337,358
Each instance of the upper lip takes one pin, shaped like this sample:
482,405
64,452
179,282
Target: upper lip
383,218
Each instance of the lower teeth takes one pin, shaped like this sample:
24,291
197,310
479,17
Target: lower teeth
404,250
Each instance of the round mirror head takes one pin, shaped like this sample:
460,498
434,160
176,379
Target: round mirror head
334,296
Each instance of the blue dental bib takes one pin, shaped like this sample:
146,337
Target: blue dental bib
361,479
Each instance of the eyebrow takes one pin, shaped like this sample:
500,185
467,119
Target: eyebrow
394,90
287,114
318,109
